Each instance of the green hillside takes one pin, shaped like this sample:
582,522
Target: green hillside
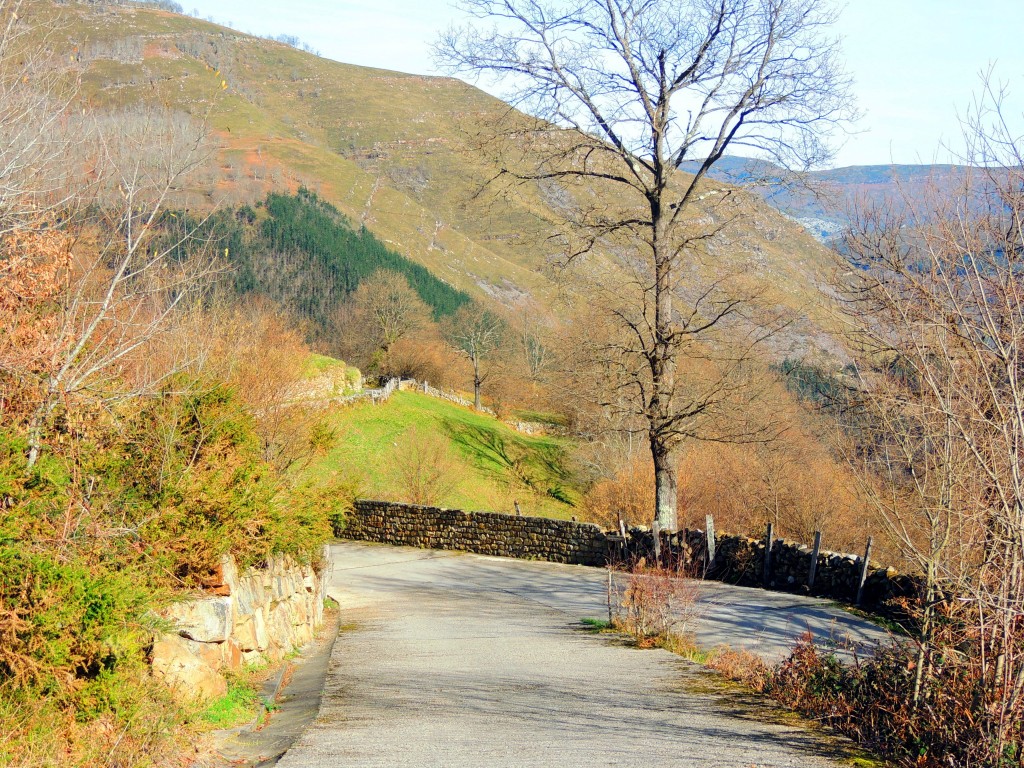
302,253
492,465
398,154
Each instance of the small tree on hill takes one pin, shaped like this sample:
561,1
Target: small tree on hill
384,311
476,334
645,86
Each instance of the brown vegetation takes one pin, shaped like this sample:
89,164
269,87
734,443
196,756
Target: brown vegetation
425,467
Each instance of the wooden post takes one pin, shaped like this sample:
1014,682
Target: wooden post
610,617
864,571
656,532
814,560
622,531
769,537
709,541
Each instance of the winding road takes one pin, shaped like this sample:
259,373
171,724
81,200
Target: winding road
448,659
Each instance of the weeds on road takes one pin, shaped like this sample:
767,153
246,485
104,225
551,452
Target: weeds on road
869,700
654,604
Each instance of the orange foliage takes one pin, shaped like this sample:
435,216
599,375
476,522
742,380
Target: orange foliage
34,271
793,481
629,493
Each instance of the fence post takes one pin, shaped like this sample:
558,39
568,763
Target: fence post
611,618
709,541
814,560
622,532
864,571
769,536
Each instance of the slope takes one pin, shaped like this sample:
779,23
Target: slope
486,464
395,153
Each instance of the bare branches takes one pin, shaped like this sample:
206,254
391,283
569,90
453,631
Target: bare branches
475,333
621,94
123,282
937,308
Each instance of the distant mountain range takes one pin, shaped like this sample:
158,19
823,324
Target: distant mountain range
822,202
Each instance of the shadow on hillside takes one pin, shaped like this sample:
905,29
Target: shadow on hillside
539,467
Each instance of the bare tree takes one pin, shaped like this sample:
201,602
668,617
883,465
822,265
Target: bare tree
124,281
388,310
475,333
644,86
937,304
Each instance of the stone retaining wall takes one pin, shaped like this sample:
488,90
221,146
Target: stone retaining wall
486,533
738,559
262,614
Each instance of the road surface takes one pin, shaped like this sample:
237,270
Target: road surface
459,660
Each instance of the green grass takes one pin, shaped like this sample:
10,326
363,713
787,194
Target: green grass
494,465
596,625
239,705
317,365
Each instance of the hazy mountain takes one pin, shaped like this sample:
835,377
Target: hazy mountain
823,201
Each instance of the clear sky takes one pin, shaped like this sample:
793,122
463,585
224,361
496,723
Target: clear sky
916,62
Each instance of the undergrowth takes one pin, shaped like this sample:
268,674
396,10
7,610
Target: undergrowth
239,705
125,510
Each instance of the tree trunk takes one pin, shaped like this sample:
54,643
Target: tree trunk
37,424
663,372
476,382
666,493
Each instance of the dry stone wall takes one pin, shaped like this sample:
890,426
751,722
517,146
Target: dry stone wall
738,559
263,613
486,533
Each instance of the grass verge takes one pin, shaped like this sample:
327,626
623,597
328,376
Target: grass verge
495,465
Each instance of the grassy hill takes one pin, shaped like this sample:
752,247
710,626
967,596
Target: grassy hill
393,152
490,464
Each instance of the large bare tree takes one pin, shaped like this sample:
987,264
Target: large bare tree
626,92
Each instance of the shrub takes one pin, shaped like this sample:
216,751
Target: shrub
426,470
655,604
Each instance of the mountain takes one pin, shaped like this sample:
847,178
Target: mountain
392,152
822,201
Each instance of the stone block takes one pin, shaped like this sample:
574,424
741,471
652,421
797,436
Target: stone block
244,634
208,620
174,662
232,655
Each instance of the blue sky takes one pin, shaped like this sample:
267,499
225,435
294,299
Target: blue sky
916,62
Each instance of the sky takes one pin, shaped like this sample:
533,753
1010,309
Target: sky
916,63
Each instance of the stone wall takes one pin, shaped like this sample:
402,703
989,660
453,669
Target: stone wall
263,613
738,559
486,533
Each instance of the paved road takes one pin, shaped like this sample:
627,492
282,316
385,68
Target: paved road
460,660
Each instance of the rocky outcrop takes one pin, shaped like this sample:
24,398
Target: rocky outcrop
261,614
